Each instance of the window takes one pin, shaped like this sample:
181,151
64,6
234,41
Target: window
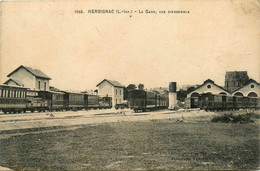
8,93
39,84
116,101
45,85
1,93
116,91
120,91
252,86
208,86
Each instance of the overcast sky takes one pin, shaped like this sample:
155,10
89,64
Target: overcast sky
79,50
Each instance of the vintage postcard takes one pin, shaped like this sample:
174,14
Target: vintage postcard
129,85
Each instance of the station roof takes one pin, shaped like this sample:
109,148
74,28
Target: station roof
35,72
14,80
246,83
112,82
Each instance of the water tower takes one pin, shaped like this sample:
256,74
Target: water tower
172,95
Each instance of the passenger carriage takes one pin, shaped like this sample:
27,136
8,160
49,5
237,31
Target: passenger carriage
12,99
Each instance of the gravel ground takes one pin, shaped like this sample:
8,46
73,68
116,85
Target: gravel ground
70,118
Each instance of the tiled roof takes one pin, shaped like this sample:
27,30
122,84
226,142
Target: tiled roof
210,81
35,72
114,83
14,80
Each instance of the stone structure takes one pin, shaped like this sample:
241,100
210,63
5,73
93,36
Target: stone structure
109,88
235,79
28,77
208,87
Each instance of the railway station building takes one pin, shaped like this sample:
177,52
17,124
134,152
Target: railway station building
208,87
110,88
250,88
28,77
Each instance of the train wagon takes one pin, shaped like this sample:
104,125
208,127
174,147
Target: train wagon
142,100
74,101
35,103
105,102
92,101
97,102
137,100
12,99
208,101
164,101
151,100
55,100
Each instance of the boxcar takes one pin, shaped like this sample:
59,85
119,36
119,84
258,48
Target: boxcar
12,99
164,101
137,100
55,100
142,100
208,101
238,102
92,101
152,99
74,101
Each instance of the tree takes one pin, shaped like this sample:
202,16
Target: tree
131,87
190,89
127,89
141,87
181,95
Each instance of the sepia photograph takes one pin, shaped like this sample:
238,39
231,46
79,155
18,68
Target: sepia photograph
129,85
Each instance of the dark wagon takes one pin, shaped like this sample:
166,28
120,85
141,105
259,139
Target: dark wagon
55,100
137,100
143,100
92,101
74,101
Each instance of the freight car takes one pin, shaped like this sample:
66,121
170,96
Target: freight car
96,102
55,100
74,101
140,100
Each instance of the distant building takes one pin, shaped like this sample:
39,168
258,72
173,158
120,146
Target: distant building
109,88
28,77
250,88
235,79
51,88
208,87
161,90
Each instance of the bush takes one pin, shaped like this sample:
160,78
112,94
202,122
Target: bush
231,118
